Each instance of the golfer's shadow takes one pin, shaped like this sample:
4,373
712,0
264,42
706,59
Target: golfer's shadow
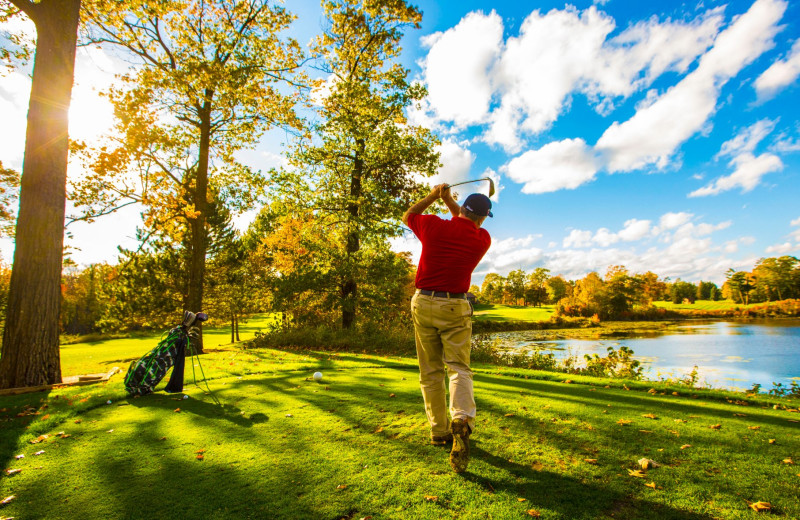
209,410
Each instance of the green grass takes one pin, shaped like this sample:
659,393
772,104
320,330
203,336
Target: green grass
485,312
702,305
101,356
355,446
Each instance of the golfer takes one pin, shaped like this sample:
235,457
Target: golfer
442,315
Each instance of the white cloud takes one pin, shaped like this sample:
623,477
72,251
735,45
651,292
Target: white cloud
558,165
456,162
748,168
779,74
653,134
456,68
673,220
795,222
781,249
635,229
533,74
578,238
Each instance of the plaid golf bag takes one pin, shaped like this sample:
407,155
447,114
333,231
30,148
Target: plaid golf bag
143,375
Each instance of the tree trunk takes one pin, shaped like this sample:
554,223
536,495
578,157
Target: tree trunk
197,265
237,327
233,327
30,352
349,288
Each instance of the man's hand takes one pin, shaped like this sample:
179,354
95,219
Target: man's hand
449,201
422,205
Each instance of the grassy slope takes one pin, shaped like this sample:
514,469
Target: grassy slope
484,312
702,305
355,445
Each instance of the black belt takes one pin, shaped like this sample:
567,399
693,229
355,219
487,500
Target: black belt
443,294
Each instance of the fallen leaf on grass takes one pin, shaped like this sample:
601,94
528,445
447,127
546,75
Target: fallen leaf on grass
716,426
567,381
200,457
378,430
78,421
46,416
651,485
534,513
13,471
650,416
758,507
680,420
522,500
431,498
636,473
788,461
740,415
754,427
772,441
39,439
341,486
686,446
177,410
19,457
645,431
200,451
625,387
652,391
392,395
623,422
509,415
110,431
676,394
39,453
646,463
590,461
7,500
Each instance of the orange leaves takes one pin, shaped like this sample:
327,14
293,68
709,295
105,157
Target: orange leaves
590,461
650,416
787,461
39,439
534,513
716,426
759,507
431,498
200,454
754,427
686,446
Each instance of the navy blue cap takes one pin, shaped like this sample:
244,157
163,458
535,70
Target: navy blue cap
479,204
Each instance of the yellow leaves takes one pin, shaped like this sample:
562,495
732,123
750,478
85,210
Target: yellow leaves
651,485
754,427
431,498
716,426
509,415
534,513
590,461
686,446
341,486
679,421
650,416
624,422
177,410
646,463
392,395
788,461
760,507
637,473
522,499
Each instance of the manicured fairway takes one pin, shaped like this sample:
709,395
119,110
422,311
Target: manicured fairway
702,305
355,446
494,312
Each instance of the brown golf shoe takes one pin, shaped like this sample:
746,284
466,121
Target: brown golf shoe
441,440
459,455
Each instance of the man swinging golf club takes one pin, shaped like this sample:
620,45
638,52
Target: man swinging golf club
451,249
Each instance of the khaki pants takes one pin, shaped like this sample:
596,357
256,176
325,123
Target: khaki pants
442,329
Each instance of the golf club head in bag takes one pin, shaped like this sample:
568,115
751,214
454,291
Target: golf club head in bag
190,318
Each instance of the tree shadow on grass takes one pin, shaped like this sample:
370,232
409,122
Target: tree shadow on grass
571,498
206,409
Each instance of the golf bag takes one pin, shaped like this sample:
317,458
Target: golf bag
143,375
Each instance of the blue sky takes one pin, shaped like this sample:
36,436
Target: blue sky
663,136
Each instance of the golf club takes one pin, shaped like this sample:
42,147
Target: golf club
491,184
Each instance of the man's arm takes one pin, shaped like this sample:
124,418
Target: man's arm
451,203
425,203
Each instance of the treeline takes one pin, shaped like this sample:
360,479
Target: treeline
619,292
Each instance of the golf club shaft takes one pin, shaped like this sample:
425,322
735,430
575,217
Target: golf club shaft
491,184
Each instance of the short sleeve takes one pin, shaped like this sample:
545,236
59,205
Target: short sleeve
420,224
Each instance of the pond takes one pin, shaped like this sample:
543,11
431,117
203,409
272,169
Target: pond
732,355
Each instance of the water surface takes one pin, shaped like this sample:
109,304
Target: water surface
727,354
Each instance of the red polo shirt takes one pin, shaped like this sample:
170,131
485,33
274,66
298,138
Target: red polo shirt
451,249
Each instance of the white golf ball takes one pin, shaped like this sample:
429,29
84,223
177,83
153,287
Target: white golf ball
317,376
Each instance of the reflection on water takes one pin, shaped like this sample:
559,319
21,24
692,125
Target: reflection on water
727,354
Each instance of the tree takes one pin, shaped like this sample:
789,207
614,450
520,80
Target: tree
706,290
536,286
30,354
492,288
653,288
210,79
358,172
9,195
557,288
515,286
774,277
681,291
739,285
